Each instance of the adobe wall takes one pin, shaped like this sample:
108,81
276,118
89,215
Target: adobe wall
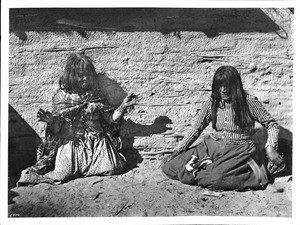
168,56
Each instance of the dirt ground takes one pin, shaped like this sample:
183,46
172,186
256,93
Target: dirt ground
145,191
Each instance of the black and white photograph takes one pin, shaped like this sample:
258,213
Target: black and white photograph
179,113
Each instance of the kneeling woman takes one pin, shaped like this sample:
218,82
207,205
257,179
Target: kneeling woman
227,159
81,138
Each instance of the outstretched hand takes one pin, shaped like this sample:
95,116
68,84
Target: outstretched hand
44,116
130,100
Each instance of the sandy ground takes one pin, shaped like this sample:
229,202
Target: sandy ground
145,191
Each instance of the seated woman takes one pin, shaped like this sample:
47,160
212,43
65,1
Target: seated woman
82,129
227,159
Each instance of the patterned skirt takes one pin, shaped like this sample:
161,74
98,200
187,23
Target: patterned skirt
91,155
230,167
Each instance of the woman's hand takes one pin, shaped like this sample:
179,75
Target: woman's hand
130,100
276,163
215,135
44,116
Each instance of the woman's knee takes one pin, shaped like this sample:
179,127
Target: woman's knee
169,170
166,167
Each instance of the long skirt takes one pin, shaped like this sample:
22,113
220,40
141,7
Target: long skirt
233,167
93,155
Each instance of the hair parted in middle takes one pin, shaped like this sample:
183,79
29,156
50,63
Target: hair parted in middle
229,77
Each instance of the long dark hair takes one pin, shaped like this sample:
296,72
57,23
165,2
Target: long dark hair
77,63
229,77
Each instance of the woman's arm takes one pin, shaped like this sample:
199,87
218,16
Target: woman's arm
202,121
109,113
119,112
65,105
63,111
261,115
54,123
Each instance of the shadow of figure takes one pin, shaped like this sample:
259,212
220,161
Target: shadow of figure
130,130
285,147
115,94
111,90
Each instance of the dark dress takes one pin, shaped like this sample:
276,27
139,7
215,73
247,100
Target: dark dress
232,160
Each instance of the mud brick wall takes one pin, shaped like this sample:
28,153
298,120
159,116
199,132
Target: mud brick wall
168,56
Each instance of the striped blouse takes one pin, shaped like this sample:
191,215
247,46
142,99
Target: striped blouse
227,130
